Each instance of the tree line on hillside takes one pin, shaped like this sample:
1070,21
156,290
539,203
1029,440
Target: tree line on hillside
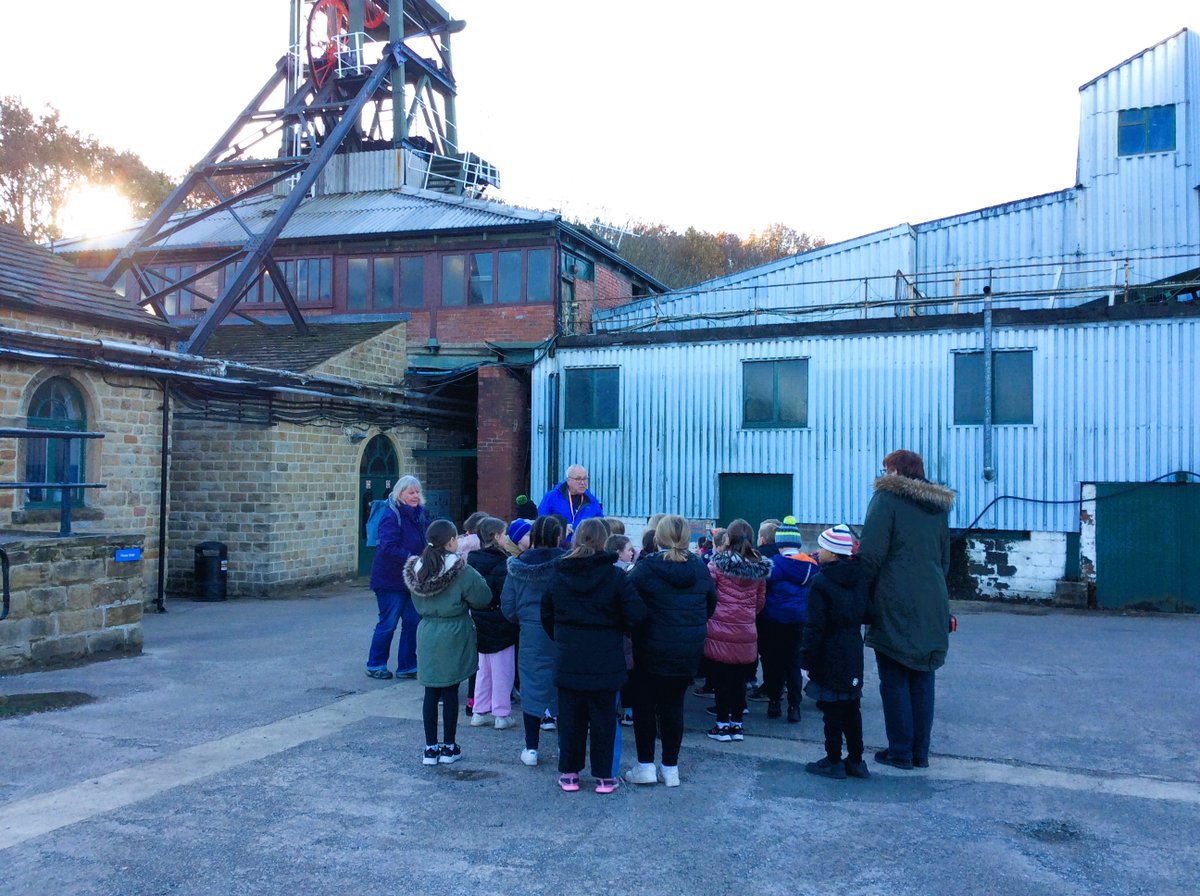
42,162
683,259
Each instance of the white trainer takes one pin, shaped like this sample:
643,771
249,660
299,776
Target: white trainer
478,719
529,757
642,773
503,722
670,775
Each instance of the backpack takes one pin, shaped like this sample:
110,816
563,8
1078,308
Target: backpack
378,508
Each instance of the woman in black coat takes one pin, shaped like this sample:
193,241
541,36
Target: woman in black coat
588,607
678,591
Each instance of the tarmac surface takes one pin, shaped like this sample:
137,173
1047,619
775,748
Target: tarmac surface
246,752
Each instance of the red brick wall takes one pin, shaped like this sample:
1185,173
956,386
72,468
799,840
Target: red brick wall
503,440
490,323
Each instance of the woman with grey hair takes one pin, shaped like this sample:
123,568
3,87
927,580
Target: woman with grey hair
401,535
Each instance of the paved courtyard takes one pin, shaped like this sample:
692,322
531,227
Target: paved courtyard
245,752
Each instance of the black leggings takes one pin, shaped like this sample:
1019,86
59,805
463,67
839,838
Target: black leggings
429,713
658,707
533,730
729,685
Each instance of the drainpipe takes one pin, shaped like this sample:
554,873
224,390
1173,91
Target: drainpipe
160,600
989,472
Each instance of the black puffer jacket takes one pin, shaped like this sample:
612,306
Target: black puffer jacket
588,607
679,598
832,649
493,632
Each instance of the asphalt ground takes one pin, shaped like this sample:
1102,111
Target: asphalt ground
246,752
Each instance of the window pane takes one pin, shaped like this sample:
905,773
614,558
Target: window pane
58,405
382,288
453,279
481,279
968,388
508,285
538,288
792,391
607,394
356,284
1012,387
577,413
298,275
758,387
1161,128
592,398
325,292
412,281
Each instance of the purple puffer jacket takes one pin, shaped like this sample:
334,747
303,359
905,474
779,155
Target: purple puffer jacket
741,591
401,535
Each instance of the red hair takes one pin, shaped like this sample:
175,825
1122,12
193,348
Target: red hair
906,463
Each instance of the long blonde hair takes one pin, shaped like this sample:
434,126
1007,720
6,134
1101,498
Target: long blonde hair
672,535
589,538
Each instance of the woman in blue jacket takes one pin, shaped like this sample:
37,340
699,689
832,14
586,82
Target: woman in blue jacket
401,535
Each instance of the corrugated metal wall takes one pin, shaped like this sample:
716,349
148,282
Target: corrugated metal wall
1112,402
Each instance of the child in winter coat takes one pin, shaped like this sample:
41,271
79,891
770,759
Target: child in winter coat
832,653
521,602
497,637
589,605
782,619
740,574
443,590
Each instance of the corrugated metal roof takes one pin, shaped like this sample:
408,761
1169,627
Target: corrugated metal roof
34,279
376,213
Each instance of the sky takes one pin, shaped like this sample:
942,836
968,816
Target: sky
834,119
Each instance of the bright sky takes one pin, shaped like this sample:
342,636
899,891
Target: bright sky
833,118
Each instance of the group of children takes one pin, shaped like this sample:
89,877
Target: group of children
535,608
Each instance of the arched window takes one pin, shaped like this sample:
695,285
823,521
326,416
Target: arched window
57,404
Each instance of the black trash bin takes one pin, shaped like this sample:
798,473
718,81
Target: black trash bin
212,569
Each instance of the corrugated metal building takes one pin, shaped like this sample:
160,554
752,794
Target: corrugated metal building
780,389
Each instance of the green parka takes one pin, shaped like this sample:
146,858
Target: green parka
905,556
446,651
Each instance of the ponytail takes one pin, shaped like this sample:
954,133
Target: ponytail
439,534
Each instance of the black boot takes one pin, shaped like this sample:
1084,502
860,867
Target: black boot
793,713
774,710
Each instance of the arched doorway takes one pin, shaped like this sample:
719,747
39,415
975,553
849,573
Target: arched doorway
377,473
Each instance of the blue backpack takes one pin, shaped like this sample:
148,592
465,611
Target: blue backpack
378,508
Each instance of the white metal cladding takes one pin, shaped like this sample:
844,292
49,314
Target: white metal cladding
1112,402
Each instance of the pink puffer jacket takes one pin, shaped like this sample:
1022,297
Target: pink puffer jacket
741,591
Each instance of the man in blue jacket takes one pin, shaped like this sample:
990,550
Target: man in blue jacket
571,500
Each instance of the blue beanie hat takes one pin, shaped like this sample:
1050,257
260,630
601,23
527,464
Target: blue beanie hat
788,533
518,529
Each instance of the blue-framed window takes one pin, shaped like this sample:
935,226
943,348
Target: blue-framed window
592,397
775,393
56,404
1145,130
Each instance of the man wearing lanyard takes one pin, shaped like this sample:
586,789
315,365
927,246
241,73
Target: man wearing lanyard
571,500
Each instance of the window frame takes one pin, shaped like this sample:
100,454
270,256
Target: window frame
776,421
76,447
1000,380
598,417
1140,122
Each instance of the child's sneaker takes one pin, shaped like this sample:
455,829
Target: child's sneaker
826,769
736,731
478,719
720,732
502,722
549,723
604,785
642,773
670,775
568,782
431,755
627,718
449,753
529,757
857,769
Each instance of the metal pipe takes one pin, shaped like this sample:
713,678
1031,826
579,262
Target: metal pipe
163,470
989,472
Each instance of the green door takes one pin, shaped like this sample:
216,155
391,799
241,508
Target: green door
1144,556
377,473
753,497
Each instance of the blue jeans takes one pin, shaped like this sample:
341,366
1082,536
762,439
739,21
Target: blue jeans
395,609
907,697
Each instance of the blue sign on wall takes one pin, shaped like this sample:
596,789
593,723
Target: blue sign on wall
127,555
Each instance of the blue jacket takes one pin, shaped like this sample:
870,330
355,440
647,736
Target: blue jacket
558,500
401,535
787,588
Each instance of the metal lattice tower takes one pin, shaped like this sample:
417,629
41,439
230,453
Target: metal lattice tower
359,76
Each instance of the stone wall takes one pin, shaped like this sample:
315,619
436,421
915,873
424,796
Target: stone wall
126,408
71,599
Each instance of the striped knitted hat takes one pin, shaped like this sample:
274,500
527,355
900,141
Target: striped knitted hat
788,533
838,540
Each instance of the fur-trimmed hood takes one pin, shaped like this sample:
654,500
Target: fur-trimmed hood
929,496
534,566
736,567
451,570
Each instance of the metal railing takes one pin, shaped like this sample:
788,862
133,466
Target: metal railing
64,517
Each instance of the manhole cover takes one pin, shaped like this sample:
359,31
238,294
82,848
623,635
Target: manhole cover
14,705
